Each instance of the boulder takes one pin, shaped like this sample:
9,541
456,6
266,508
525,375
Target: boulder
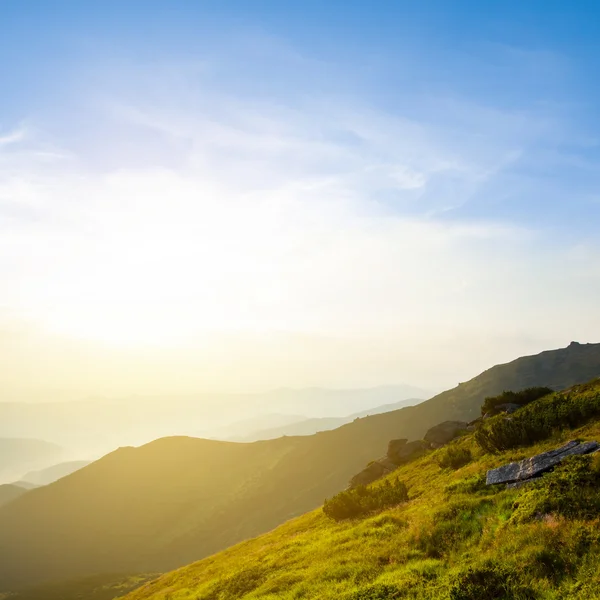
536,465
394,446
507,407
404,452
372,472
445,432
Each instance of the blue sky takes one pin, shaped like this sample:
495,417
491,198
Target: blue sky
306,174
427,61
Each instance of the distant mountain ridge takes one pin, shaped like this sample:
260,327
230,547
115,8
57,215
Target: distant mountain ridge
176,500
53,473
18,455
311,426
95,427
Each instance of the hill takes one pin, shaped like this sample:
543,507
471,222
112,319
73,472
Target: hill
178,499
311,426
20,455
53,473
10,492
454,538
95,426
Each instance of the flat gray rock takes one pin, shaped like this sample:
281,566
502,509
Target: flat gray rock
536,465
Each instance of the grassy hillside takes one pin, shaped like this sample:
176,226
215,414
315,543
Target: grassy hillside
454,539
179,499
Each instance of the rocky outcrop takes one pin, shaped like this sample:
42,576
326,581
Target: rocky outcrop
401,451
445,432
507,407
395,446
535,466
372,472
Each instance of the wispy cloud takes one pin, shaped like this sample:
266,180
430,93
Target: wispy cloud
12,137
215,215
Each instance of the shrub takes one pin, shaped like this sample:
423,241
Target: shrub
537,421
488,582
364,500
571,490
523,397
454,457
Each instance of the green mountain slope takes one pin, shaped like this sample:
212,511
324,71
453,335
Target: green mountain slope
178,499
454,539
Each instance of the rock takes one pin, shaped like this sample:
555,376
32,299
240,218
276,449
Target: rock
378,468
405,452
536,465
508,407
394,446
445,432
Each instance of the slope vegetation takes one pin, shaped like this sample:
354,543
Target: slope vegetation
176,500
454,538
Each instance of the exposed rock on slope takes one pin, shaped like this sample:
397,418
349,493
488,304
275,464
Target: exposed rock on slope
445,432
533,467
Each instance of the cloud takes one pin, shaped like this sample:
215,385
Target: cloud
204,219
12,137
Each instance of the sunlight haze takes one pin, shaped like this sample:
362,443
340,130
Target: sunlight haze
246,210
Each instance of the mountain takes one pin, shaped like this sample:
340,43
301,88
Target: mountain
26,485
9,492
93,587
53,473
96,426
310,426
20,455
455,538
178,499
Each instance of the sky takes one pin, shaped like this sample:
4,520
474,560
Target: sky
238,196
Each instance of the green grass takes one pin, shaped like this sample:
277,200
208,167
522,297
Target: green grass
454,539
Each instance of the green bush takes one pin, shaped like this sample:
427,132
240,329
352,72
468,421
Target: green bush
364,500
489,582
571,490
538,421
453,457
523,397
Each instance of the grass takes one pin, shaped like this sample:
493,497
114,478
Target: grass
454,538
